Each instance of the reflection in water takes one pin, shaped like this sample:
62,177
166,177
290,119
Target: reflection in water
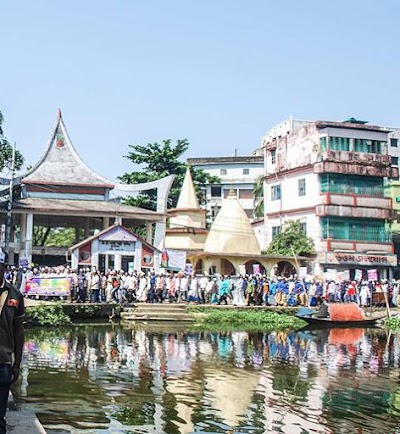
105,379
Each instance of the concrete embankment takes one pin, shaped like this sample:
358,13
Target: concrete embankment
22,421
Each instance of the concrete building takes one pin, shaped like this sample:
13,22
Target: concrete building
236,173
330,175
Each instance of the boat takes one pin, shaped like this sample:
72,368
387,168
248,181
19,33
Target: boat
339,315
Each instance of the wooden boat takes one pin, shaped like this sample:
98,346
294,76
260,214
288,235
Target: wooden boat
340,315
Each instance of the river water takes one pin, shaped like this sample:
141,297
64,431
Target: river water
166,379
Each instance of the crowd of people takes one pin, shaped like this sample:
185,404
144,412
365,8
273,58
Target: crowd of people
91,285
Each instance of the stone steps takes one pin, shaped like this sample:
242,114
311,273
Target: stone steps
156,312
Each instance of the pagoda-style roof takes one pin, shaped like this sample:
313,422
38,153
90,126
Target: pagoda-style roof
62,165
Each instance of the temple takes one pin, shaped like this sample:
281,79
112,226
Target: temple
229,247
61,191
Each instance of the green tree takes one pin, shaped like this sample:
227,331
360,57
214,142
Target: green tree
6,151
258,193
291,239
158,161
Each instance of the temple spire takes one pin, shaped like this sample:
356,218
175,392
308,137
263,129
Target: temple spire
188,198
59,114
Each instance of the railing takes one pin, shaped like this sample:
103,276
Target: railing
357,234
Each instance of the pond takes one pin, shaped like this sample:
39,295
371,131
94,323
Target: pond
167,379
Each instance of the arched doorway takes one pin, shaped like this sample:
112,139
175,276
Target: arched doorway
285,269
227,267
199,269
254,267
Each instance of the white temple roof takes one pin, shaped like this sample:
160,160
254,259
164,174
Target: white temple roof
61,164
231,231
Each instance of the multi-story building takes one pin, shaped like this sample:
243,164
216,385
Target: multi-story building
330,176
236,173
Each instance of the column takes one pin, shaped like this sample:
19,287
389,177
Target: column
149,232
117,261
29,237
106,222
77,235
87,227
22,231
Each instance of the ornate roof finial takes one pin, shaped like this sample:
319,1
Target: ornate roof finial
59,114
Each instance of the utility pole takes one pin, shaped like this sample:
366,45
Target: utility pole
10,203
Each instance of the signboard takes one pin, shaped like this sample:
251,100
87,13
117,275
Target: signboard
116,246
358,275
302,272
188,268
176,259
358,259
48,286
23,262
242,269
372,275
256,269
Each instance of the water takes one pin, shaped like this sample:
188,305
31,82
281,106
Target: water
151,379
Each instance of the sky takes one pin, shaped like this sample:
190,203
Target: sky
217,72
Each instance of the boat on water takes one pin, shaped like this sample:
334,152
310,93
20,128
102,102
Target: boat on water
339,315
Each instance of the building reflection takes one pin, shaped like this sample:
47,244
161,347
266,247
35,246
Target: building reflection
179,381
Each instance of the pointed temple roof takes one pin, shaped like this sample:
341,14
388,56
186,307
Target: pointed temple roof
188,198
62,165
231,232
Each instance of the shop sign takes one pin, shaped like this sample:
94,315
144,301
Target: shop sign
358,259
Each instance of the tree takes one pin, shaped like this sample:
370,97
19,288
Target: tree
158,161
6,151
258,194
291,240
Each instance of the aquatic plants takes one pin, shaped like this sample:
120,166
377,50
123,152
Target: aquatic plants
267,320
52,315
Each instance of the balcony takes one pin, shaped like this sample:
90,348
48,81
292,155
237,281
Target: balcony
357,157
330,245
355,212
356,168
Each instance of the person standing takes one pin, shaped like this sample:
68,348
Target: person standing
11,337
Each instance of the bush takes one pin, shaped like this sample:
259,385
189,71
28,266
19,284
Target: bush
52,314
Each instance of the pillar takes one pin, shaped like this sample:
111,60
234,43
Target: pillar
87,227
106,222
29,237
117,262
149,232
22,231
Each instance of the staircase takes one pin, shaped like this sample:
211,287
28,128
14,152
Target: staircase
156,312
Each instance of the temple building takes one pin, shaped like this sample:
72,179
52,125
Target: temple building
230,247
61,191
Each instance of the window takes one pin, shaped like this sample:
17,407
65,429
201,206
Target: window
370,146
394,142
226,192
222,172
351,184
303,227
275,192
276,230
339,143
216,191
246,171
395,161
273,156
302,187
354,229
245,193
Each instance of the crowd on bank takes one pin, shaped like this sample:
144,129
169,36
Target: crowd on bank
256,289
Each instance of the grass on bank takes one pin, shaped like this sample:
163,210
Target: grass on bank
267,320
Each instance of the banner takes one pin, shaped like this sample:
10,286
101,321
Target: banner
256,269
372,274
176,259
48,286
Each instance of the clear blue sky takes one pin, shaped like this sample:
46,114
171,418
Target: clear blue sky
218,72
